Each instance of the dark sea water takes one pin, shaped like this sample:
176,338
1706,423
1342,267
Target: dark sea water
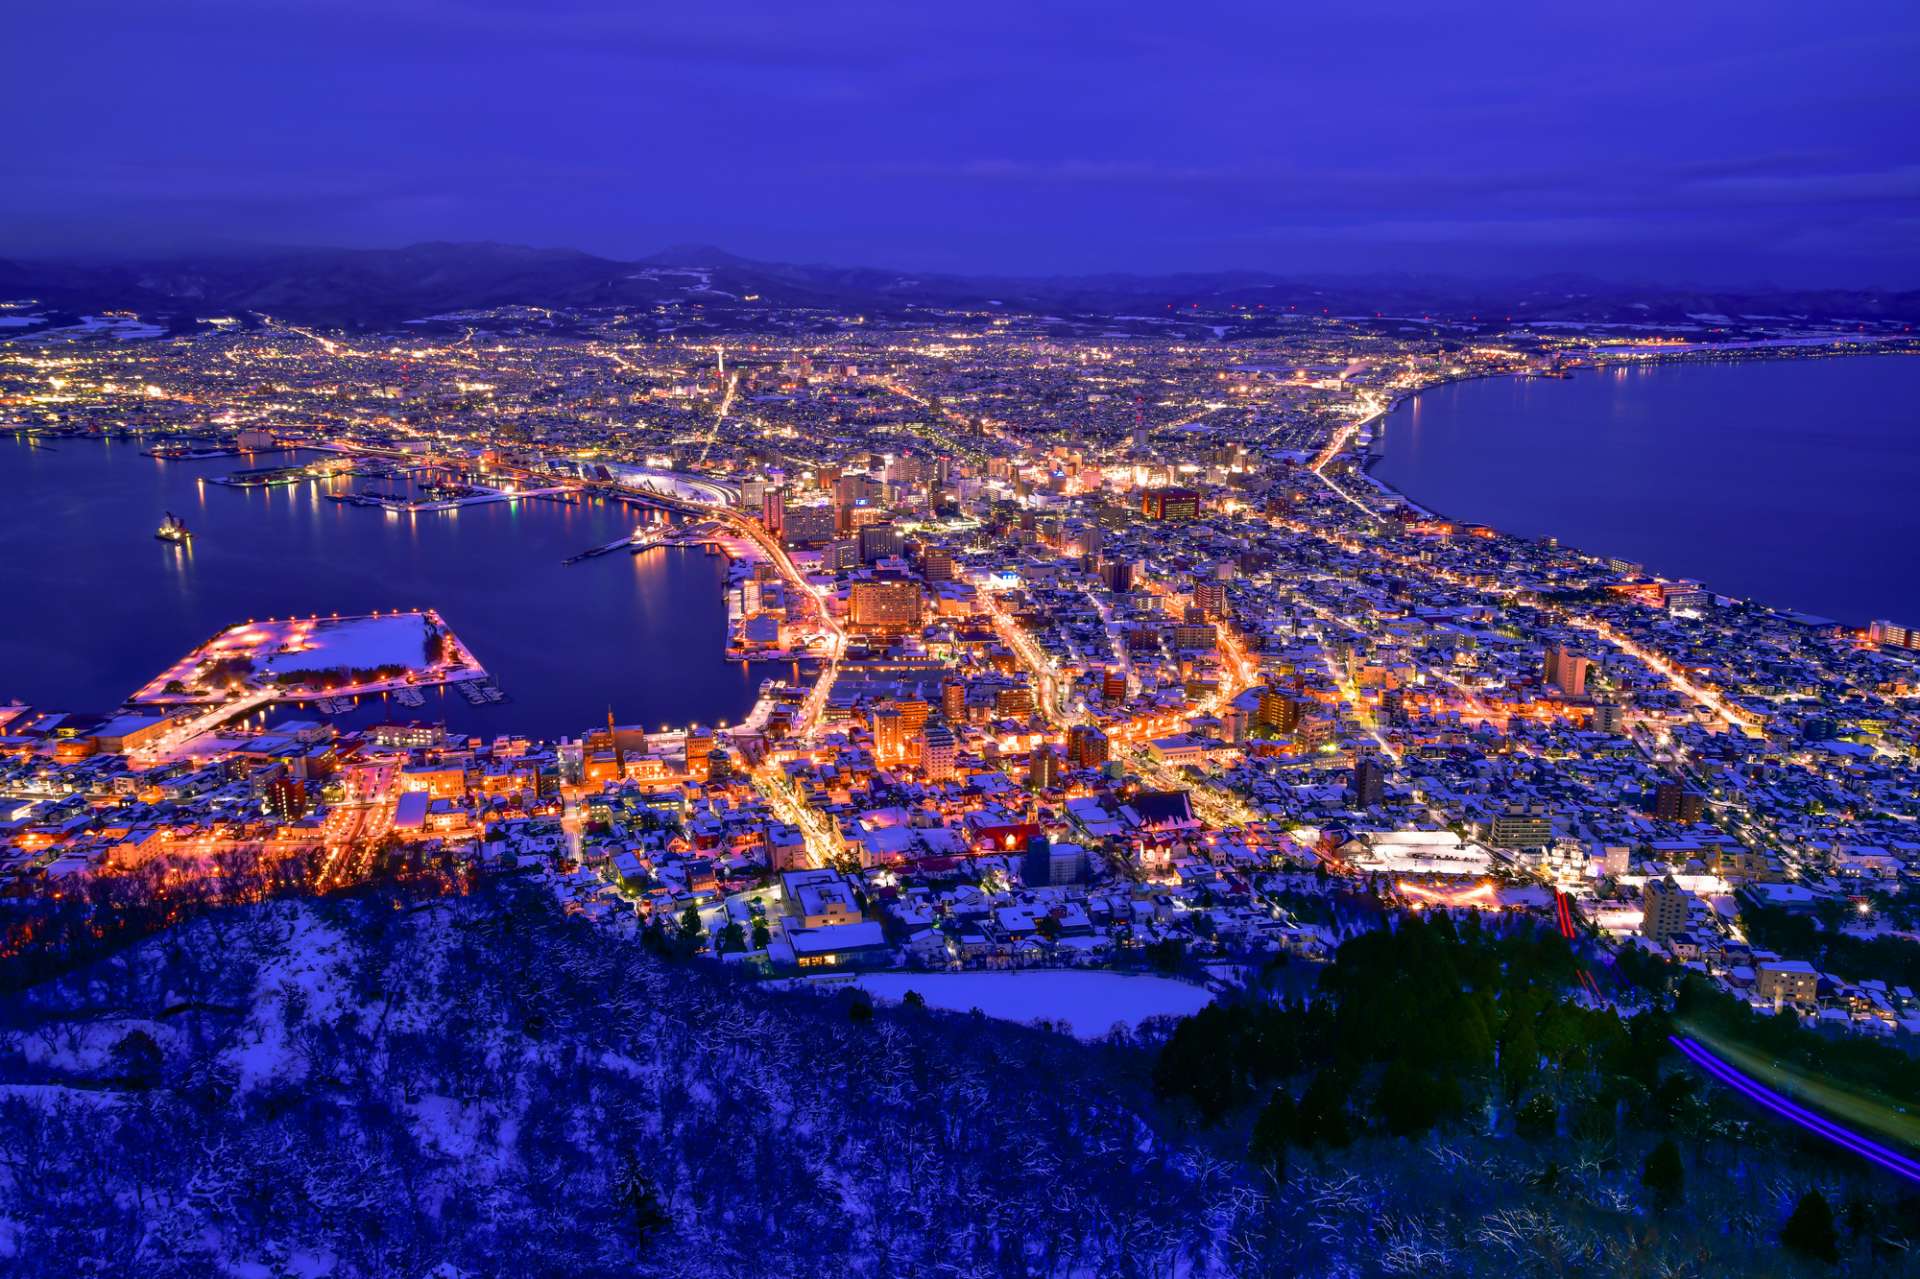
1795,482
94,606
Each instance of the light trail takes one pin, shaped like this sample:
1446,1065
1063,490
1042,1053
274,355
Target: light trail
1892,1160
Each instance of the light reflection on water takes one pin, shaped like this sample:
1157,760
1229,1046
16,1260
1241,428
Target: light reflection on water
104,615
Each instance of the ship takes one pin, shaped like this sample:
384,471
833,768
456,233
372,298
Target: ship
173,529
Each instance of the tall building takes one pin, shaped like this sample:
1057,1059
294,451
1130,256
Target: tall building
1892,635
1566,670
1608,717
1043,768
1666,905
885,604
1086,746
1170,504
1369,782
889,733
953,700
879,542
937,751
773,510
936,564
806,525
1278,711
1211,598
287,798
1522,826
1044,863
1673,802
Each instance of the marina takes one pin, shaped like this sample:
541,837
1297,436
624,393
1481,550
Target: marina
649,635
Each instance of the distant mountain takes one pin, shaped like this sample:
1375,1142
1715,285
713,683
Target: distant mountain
381,287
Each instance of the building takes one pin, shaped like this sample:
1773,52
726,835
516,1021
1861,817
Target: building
879,542
1522,826
1673,802
1170,504
1665,905
953,700
885,604
1086,746
1043,768
1369,782
937,751
287,799
806,525
1608,717
1787,981
889,734
936,564
1046,864
773,508
1278,711
1893,635
1195,636
1566,670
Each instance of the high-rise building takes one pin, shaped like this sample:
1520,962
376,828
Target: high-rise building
1666,905
1188,636
936,564
1608,717
1044,863
879,542
1211,598
1043,768
1369,782
937,751
1565,669
1522,826
773,509
885,604
889,733
1892,635
1279,711
1086,746
806,525
286,798
1673,802
1015,702
953,700
1170,504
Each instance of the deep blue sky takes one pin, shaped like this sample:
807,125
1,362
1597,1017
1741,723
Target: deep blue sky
1678,141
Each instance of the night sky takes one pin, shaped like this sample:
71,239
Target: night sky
1675,142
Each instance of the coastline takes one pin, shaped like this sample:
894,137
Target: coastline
1375,453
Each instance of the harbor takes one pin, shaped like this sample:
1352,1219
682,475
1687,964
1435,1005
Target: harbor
491,571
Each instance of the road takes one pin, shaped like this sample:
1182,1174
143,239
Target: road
178,739
1016,638
1784,1107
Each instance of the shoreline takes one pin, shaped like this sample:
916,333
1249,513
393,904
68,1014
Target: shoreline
1376,449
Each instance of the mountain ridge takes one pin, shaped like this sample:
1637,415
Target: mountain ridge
376,287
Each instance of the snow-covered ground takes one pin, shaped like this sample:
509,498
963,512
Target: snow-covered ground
1090,1003
359,644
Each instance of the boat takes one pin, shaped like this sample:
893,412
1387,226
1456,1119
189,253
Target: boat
173,529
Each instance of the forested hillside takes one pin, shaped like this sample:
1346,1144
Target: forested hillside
484,1086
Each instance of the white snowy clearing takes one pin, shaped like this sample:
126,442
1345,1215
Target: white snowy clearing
1090,1003
359,644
